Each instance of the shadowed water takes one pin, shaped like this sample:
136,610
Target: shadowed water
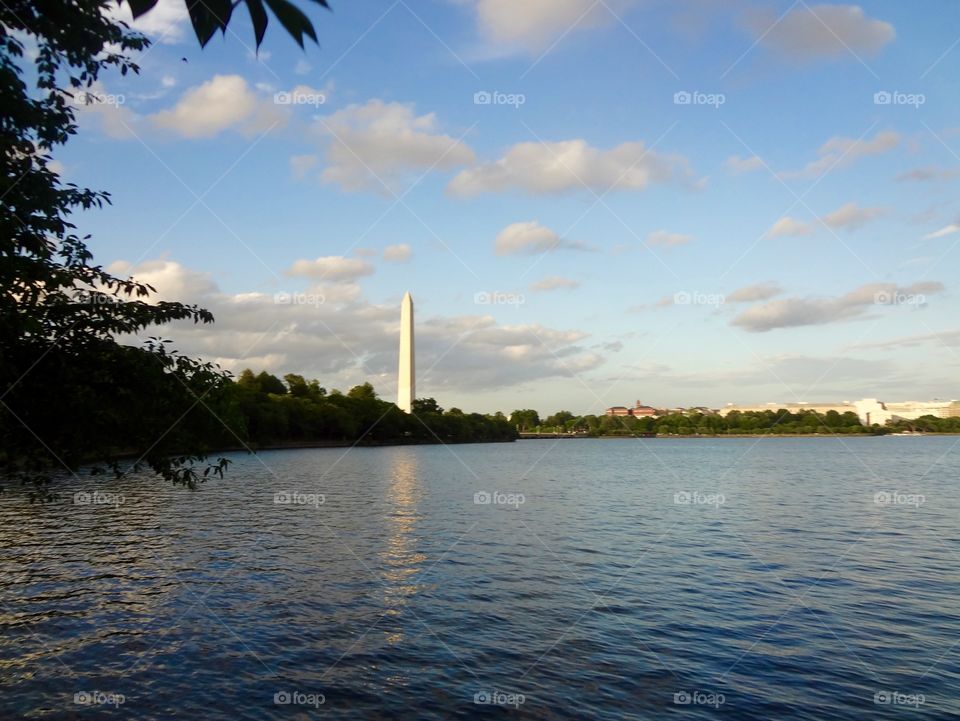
756,579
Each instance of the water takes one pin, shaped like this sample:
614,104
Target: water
783,589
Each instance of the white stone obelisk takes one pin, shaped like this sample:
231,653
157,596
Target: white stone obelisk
406,372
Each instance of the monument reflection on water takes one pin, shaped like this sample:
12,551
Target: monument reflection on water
400,560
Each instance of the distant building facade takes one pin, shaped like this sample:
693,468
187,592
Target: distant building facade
638,411
869,410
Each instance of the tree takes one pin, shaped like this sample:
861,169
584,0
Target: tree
525,419
363,391
69,391
270,384
426,405
558,419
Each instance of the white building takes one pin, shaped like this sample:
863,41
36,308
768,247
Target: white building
869,410
873,411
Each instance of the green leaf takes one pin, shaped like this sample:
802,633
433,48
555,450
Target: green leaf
259,18
293,19
209,16
139,7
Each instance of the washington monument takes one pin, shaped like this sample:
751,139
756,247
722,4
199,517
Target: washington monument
406,372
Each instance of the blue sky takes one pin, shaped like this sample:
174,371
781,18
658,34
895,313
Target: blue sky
587,239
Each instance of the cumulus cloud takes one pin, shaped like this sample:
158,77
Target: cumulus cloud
737,165
398,253
221,103
343,339
554,282
535,24
839,152
795,312
788,226
332,267
172,281
662,237
557,167
822,32
753,293
376,145
531,238
167,22
852,216
108,111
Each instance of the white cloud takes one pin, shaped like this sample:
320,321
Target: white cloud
839,152
331,267
534,25
822,31
302,67
554,282
948,338
167,22
380,143
168,81
662,237
794,312
332,333
943,232
737,165
752,293
927,174
531,238
106,110
557,167
300,165
221,103
172,281
788,226
852,216
399,253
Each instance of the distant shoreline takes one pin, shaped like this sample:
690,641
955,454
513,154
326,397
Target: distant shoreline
553,436
294,445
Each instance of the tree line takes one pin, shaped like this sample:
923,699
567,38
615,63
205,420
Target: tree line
768,422
261,409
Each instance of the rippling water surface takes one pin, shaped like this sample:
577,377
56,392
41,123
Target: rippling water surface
647,579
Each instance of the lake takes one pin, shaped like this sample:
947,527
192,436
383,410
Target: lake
807,578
